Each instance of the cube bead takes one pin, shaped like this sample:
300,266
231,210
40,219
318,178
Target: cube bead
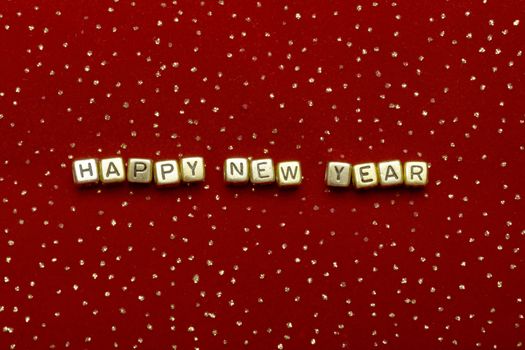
365,175
85,171
192,169
236,170
112,170
390,173
289,173
416,173
262,171
338,174
166,173
140,170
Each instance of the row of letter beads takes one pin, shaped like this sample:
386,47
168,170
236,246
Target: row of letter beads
262,171
168,172
366,175
139,170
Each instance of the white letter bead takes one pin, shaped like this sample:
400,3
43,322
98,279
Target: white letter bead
140,170
289,173
192,169
85,171
262,171
390,173
416,173
236,170
365,175
112,170
338,174
166,173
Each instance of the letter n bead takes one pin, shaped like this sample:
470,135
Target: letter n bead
140,170
262,171
289,173
365,175
112,170
416,173
85,171
166,173
192,169
390,173
236,171
338,174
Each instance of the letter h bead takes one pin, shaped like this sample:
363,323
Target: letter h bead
85,171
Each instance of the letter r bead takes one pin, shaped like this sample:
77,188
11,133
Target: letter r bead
85,171
416,173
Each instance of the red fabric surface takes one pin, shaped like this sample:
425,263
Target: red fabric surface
212,267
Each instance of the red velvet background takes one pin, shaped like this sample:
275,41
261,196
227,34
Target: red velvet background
212,267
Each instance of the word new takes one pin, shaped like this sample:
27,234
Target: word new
246,170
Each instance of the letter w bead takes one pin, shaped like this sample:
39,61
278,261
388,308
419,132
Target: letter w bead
289,173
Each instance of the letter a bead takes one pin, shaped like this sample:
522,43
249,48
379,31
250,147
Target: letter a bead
85,171
365,175
289,173
416,173
166,173
112,170
140,170
262,171
390,173
338,174
236,170
192,169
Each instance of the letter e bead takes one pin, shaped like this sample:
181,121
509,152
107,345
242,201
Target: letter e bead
365,175
166,173
338,174
192,169
262,171
85,171
289,173
416,173
236,171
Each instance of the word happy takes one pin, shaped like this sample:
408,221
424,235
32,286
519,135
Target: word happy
172,172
